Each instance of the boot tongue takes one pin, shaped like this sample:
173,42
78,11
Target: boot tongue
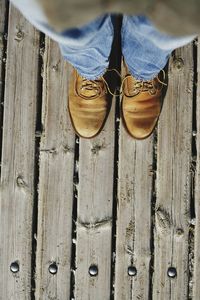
133,86
89,89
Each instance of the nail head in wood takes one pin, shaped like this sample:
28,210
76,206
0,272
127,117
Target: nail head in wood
14,267
132,271
172,273
93,270
53,268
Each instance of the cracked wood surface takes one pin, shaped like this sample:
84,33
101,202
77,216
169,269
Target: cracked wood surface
133,217
2,50
55,181
196,258
18,150
94,214
172,215
152,211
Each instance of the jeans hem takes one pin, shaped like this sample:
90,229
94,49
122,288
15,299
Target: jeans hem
144,78
141,77
92,77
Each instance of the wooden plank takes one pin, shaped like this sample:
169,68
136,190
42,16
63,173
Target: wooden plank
17,177
174,180
133,217
196,275
2,50
55,181
2,20
94,214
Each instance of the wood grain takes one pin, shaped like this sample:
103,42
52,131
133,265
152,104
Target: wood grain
17,176
174,180
150,247
196,275
133,217
55,181
3,25
94,214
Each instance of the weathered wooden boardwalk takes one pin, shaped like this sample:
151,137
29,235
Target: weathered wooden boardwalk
106,218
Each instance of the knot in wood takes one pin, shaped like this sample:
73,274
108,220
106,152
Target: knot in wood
179,231
163,220
67,149
96,149
19,36
20,181
55,68
178,64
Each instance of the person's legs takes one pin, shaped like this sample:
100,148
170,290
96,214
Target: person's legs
146,52
87,48
145,49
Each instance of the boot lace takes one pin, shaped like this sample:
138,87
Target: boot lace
90,89
150,86
95,88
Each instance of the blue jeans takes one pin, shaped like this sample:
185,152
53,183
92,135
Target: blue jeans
145,49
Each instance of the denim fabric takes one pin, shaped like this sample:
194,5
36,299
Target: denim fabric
145,49
90,47
87,48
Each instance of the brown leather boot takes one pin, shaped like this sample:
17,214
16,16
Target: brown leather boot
141,104
88,104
